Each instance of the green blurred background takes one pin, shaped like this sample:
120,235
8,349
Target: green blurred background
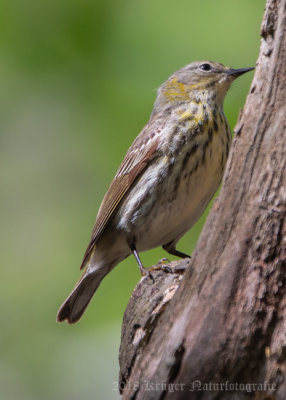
78,81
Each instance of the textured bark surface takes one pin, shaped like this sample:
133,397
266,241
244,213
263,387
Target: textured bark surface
224,320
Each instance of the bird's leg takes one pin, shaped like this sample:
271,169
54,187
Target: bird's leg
144,271
171,249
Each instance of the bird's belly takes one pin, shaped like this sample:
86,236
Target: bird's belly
164,205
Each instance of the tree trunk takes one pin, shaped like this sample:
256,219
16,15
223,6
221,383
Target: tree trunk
218,331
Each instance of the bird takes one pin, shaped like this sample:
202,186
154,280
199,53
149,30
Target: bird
166,180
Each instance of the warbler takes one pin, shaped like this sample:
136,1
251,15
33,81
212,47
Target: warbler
167,178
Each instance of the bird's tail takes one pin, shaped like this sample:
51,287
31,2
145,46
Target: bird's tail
74,306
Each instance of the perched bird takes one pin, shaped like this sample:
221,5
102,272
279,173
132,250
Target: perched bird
167,178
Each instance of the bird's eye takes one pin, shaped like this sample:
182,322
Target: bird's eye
205,67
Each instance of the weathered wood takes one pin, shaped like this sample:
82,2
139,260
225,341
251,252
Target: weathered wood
148,301
224,320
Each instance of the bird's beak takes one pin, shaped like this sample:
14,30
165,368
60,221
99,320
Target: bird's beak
235,73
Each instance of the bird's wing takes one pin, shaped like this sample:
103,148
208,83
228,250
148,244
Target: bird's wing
141,153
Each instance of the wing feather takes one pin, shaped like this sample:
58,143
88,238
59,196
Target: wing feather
140,154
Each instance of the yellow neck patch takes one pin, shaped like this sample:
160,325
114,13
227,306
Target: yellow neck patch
175,89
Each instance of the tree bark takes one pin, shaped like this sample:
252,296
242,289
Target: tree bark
222,324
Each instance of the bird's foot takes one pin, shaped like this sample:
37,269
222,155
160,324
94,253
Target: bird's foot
146,272
164,265
179,268
163,261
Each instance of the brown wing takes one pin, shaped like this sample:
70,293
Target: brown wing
136,160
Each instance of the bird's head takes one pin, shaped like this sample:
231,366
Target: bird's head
199,81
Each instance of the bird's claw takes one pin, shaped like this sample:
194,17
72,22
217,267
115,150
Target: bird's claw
164,260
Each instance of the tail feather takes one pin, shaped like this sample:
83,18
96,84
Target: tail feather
74,306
